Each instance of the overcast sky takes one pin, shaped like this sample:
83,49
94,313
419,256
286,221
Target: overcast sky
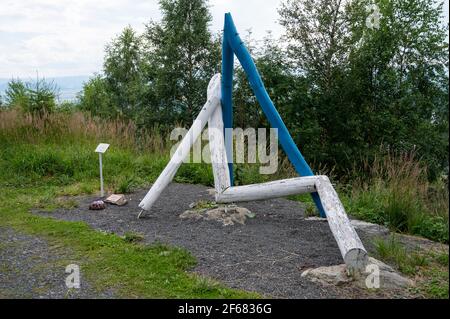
67,37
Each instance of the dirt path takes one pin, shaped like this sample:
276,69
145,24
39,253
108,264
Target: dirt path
266,255
31,268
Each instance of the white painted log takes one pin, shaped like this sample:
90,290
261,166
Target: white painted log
351,247
217,149
285,187
185,146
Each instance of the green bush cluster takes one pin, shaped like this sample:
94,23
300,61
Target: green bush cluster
37,98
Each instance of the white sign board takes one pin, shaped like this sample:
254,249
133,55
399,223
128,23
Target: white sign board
101,148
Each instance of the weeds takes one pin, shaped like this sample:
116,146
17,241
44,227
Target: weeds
131,237
398,195
126,185
429,268
394,252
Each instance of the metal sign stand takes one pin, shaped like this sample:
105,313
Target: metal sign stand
101,148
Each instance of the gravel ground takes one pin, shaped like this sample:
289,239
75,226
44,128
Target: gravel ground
266,255
31,268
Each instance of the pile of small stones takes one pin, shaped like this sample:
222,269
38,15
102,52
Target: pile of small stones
226,214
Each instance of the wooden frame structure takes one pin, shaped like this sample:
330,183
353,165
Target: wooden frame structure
219,96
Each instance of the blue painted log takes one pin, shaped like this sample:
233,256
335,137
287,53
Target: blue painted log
227,100
231,37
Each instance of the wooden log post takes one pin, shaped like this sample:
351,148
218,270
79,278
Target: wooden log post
275,189
218,152
351,247
231,35
185,146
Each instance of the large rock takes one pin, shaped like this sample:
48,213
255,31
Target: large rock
369,228
116,199
388,278
334,275
227,215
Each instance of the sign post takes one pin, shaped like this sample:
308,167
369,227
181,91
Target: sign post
101,148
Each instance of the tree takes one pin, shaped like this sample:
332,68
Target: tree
182,56
16,94
371,86
123,72
96,99
403,68
37,98
318,31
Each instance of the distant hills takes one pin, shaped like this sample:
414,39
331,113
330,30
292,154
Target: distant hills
68,86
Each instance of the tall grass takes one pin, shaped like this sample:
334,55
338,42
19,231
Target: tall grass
66,127
396,192
59,149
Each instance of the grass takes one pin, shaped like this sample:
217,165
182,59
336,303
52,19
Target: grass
394,252
110,261
131,237
397,194
428,268
40,162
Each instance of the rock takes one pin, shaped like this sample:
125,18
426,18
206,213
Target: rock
238,218
227,221
227,214
116,199
242,210
191,214
97,205
215,213
192,205
415,242
334,275
369,228
389,278
338,275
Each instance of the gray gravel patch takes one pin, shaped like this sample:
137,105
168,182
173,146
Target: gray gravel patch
266,255
31,268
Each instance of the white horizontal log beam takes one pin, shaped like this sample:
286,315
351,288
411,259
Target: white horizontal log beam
351,247
185,146
352,250
280,188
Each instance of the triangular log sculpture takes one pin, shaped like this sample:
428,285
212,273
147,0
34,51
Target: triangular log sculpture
218,96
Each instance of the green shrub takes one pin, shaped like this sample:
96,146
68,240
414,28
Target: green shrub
433,227
126,184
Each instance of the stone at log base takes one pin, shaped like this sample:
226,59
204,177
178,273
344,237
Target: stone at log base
338,275
369,228
227,215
